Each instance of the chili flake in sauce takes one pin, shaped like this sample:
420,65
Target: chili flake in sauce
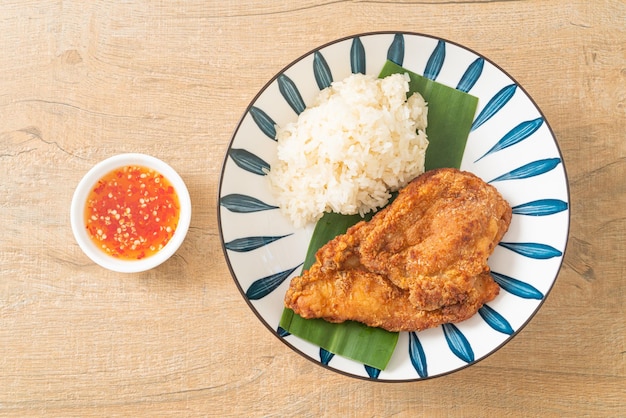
132,212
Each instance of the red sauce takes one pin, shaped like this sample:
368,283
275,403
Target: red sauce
132,212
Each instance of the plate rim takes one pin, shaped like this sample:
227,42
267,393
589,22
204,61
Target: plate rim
262,90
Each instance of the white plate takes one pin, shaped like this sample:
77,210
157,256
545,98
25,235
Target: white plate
510,146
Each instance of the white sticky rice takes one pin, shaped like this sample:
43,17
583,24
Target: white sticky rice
359,141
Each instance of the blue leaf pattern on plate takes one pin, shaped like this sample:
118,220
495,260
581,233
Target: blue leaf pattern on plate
249,162
357,56
263,287
532,249
458,343
291,94
372,372
530,170
540,207
246,244
517,287
321,70
495,320
240,203
395,53
505,109
515,135
496,103
264,122
325,356
435,62
282,332
417,355
471,76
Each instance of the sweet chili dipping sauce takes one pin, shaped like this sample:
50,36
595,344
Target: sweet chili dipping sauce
132,212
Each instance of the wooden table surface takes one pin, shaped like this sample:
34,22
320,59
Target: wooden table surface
82,81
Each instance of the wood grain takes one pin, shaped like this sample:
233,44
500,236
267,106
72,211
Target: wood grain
81,81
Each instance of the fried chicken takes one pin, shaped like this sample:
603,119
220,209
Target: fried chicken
418,263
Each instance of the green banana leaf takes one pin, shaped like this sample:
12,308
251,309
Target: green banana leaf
450,116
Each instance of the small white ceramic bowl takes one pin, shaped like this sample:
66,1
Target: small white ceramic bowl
77,213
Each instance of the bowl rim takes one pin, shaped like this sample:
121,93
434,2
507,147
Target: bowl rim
82,192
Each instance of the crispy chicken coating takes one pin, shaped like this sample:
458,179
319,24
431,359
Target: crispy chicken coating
418,263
